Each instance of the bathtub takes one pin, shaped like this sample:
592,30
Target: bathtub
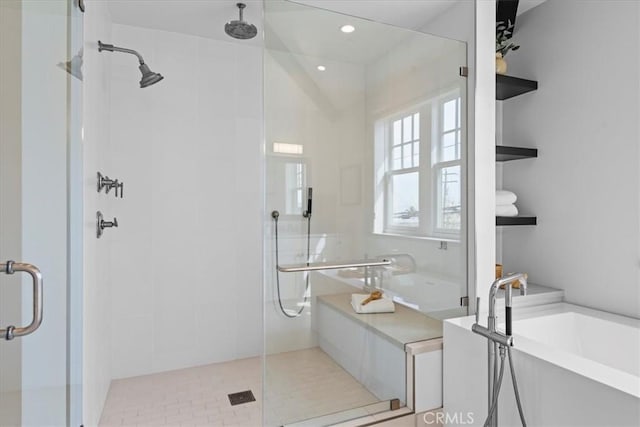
575,367
597,345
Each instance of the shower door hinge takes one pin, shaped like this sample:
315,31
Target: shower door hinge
464,302
464,71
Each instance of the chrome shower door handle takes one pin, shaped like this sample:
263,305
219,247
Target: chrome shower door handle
10,267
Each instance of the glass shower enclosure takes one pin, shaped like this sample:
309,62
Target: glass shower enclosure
365,162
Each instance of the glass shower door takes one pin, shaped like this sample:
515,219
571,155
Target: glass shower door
40,211
365,132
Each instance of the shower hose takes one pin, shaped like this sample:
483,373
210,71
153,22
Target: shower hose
292,314
496,391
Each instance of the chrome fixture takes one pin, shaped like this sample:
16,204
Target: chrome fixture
332,265
101,224
499,343
10,267
240,29
108,184
305,297
148,77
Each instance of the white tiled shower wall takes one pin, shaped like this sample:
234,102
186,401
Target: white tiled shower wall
96,289
186,279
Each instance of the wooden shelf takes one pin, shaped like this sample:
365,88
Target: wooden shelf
509,86
505,153
516,220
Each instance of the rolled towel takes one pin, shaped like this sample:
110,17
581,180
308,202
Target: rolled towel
383,305
506,210
504,197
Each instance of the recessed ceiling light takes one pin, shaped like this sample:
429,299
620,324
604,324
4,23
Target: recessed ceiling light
321,68
347,28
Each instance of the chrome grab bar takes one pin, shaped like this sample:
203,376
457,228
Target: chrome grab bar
331,265
11,267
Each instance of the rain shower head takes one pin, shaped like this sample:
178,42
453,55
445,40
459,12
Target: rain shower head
240,29
148,77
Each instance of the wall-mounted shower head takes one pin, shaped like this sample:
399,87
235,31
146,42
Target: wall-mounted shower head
240,29
148,76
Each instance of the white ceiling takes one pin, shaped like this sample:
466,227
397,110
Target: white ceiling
411,14
206,18
314,33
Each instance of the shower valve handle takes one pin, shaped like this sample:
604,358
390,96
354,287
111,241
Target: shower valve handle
119,186
101,224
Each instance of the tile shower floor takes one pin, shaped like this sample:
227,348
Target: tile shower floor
302,384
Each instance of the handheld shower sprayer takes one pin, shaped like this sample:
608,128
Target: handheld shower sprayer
307,213
148,77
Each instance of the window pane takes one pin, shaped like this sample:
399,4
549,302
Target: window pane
406,155
406,129
397,158
404,199
416,126
294,180
449,147
416,154
397,132
449,197
449,115
459,115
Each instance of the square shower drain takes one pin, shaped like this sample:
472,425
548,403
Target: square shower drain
241,397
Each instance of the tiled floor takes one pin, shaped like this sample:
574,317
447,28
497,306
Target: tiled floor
301,384
307,384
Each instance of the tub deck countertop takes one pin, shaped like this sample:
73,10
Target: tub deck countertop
403,327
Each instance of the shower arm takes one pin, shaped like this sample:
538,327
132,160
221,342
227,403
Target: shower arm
112,48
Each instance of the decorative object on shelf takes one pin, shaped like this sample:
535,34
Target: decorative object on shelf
504,32
501,64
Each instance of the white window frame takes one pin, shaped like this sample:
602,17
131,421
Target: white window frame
390,172
438,166
430,142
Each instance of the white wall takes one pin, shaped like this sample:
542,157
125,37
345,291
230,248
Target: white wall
97,267
422,68
185,260
583,119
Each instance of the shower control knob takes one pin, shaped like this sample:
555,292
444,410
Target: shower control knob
119,186
102,224
109,224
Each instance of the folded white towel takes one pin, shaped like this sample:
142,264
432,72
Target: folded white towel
383,305
504,197
506,210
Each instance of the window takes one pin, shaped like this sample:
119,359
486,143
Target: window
447,167
419,166
403,175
